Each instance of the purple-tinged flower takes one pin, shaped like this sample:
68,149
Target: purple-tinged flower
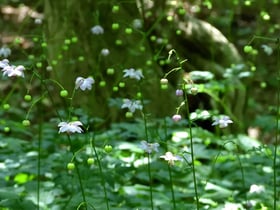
176,117
222,121
133,74
13,71
132,105
170,158
97,30
179,92
149,147
4,63
84,83
70,127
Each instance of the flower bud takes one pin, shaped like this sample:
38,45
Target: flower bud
176,117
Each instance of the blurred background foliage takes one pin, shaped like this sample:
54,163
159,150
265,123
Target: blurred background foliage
209,34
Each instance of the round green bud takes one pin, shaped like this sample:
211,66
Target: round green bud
63,93
108,148
169,18
35,39
139,95
6,106
74,39
102,83
115,88
115,8
118,42
153,38
27,97
142,49
26,123
31,57
110,71
67,41
70,166
128,30
17,40
81,58
162,62
60,56
164,86
247,48
7,129
54,62
149,62
181,11
128,114
39,65
44,45
115,26
65,47
121,84
178,32
90,161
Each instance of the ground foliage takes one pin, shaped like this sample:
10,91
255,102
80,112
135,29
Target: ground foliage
198,79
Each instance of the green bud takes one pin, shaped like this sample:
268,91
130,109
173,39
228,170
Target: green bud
108,148
63,93
70,166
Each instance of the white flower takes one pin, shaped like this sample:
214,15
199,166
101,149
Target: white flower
84,83
105,52
170,158
12,71
97,30
133,74
71,127
256,188
267,49
132,105
149,147
222,122
137,23
38,21
4,63
5,52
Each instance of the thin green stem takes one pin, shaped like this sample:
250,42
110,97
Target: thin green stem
275,167
78,172
39,158
151,181
101,173
192,151
169,168
149,162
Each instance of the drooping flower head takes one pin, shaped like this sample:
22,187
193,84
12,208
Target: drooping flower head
222,121
133,74
97,30
70,127
132,105
84,83
176,117
149,147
